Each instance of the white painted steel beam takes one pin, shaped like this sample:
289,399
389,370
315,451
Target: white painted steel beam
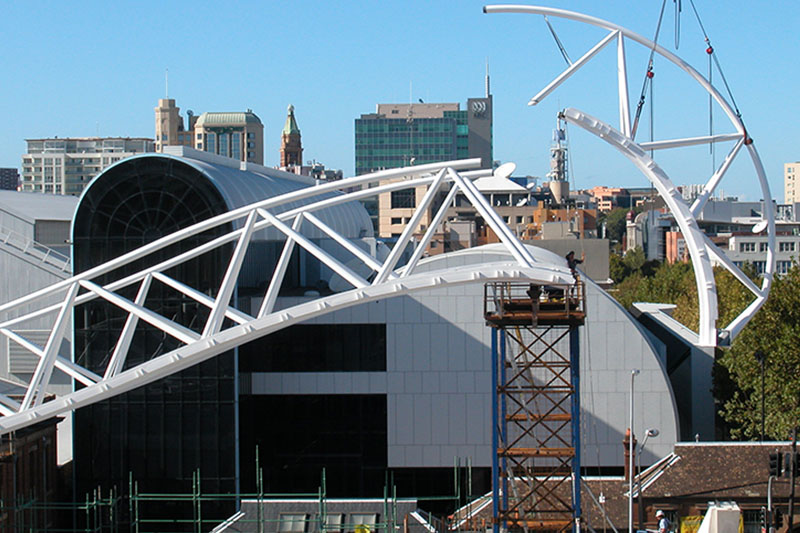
201,298
169,327
124,341
204,349
622,81
701,201
335,265
704,275
225,292
573,68
41,376
408,230
435,221
690,141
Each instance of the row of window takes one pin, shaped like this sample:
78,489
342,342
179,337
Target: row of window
750,247
330,523
781,267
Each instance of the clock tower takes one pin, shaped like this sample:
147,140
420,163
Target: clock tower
291,147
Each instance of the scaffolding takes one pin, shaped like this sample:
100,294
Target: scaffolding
136,511
536,404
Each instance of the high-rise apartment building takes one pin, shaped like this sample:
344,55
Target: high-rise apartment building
791,191
66,166
238,135
9,179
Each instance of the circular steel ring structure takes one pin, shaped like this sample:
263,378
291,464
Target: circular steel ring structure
701,249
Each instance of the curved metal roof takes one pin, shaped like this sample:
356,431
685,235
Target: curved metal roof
227,119
240,187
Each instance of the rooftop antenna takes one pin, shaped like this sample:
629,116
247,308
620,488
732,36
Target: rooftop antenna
166,84
488,93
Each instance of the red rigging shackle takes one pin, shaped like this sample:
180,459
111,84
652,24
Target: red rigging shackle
650,74
710,50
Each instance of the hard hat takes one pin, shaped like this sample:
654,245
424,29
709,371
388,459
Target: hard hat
659,513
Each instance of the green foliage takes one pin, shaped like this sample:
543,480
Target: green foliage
615,224
634,261
775,331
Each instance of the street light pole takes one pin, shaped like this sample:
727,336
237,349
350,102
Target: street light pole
761,357
634,372
652,432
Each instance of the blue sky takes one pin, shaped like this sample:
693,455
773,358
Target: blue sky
89,68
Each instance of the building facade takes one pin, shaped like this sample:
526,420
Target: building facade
238,135
790,187
9,179
66,166
170,129
398,135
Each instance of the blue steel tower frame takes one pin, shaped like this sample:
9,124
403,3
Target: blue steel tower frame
536,466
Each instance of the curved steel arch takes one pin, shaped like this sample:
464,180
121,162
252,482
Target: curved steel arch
701,249
216,335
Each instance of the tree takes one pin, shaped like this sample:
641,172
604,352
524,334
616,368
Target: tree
615,224
775,331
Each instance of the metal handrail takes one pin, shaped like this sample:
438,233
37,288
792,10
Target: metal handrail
43,253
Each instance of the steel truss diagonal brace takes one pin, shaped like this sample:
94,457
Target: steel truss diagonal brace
41,376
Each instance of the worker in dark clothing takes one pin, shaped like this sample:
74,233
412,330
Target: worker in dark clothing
572,263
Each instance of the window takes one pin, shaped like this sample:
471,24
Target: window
333,523
783,267
519,219
397,220
222,138
405,198
236,148
762,247
786,246
747,247
362,519
292,523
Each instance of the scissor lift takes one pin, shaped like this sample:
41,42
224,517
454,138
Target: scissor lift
536,405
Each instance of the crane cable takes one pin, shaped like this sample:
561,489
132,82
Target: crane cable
713,57
649,73
558,42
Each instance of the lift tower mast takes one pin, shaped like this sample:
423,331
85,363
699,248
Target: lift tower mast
536,404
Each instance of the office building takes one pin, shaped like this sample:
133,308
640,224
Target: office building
397,135
66,166
9,179
238,135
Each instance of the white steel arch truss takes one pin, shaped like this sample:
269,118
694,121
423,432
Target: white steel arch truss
227,326
700,247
